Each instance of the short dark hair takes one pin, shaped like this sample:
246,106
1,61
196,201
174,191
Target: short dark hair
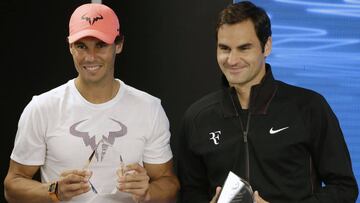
119,39
245,10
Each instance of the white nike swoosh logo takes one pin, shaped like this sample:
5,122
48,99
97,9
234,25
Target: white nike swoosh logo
278,130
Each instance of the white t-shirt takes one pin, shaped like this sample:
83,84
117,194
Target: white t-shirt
58,130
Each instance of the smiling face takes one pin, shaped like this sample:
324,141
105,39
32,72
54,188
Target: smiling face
240,55
94,60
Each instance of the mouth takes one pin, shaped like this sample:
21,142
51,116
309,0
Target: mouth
236,70
92,67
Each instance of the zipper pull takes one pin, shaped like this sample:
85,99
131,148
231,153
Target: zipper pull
245,137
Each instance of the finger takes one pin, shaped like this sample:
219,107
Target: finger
78,192
67,191
135,167
131,186
70,194
256,196
134,178
120,172
137,192
216,196
137,199
83,173
122,186
76,186
73,178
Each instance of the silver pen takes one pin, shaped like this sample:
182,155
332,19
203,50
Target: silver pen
87,166
122,166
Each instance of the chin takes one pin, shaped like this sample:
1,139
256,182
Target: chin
234,81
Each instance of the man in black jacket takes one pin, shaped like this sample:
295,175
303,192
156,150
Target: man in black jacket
284,140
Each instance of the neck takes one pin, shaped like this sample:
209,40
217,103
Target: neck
243,95
243,90
97,93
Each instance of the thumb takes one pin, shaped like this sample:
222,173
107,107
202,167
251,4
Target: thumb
216,196
256,196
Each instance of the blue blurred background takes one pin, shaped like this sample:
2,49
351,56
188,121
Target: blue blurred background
316,45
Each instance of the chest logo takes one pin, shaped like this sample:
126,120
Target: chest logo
215,137
106,140
272,131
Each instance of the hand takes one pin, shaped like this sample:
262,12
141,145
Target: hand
216,196
134,179
258,199
73,183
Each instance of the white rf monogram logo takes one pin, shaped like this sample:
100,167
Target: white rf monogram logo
215,136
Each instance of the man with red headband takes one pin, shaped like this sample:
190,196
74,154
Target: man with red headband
94,138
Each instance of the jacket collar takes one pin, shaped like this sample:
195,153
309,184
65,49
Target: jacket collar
260,96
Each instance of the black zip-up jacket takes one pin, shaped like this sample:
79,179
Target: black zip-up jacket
296,149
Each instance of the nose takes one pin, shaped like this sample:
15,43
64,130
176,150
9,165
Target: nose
90,55
233,58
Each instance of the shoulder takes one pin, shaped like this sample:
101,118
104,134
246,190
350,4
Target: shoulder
139,97
301,96
287,90
53,96
207,103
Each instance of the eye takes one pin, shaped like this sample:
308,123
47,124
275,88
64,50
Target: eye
101,45
223,48
245,47
80,46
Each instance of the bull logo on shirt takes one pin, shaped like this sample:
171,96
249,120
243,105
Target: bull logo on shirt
104,143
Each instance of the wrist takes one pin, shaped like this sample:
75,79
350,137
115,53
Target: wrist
53,191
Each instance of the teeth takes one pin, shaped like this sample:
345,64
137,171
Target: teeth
92,67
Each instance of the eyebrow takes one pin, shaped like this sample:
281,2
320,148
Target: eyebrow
242,46
78,42
222,45
101,43
246,45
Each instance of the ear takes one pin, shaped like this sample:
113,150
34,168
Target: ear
71,48
119,46
268,47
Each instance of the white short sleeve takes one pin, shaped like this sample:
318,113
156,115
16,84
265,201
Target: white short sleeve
157,149
30,146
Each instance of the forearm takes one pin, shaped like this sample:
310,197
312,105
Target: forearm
20,190
163,189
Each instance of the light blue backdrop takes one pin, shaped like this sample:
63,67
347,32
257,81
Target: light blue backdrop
316,45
